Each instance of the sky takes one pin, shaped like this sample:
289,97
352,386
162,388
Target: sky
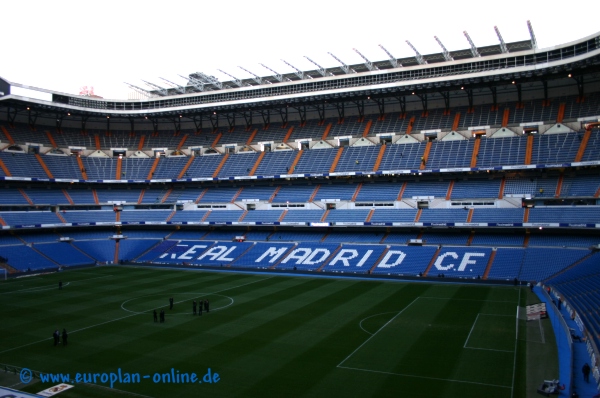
63,45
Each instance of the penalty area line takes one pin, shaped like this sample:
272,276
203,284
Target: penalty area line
374,334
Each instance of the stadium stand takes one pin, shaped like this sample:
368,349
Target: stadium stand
373,191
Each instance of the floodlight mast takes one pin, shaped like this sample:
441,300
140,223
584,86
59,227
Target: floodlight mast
235,80
393,59
177,87
445,52
298,72
502,43
533,40
277,76
321,70
344,67
160,90
255,77
197,84
474,51
418,56
140,90
368,63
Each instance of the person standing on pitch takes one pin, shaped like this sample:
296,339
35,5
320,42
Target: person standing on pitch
194,306
206,305
56,336
59,285
171,303
64,336
155,316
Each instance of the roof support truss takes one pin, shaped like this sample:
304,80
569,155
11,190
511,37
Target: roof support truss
321,70
347,70
393,59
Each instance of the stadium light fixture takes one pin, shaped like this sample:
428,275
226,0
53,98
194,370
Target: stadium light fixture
347,70
418,55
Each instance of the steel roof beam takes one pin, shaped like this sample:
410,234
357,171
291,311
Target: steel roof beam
235,80
393,59
277,76
368,64
447,55
177,87
347,70
418,56
474,51
255,77
321,70
298,72
160,90
502,43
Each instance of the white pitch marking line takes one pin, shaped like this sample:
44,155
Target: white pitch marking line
44,288
373,335
364,319
472,327
423,377
487,349
461,299
196,295
118,319
89,279
36,289
512,388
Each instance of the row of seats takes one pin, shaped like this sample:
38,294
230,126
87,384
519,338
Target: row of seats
580,284
482,115
549,148
429,237
453,261
554,214
461,189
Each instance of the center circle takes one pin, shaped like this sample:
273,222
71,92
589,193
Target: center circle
182,303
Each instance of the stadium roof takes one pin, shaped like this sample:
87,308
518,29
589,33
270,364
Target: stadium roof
201,82
447,72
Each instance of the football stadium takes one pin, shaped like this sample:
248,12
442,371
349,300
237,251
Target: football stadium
423,226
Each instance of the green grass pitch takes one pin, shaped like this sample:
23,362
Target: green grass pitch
266,335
